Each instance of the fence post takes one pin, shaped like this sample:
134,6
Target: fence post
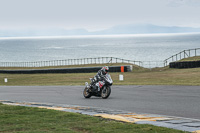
189,53
180,55
195,52
184,53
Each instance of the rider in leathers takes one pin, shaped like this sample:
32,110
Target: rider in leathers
99,76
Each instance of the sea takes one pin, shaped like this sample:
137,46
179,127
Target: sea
143,47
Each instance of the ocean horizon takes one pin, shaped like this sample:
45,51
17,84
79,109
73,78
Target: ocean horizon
138,47
100,36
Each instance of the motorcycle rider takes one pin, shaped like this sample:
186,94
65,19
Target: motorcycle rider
99,76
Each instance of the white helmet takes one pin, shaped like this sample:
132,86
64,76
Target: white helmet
105,70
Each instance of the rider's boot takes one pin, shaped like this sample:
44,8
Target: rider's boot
97,89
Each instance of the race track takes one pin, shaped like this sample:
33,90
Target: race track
180,101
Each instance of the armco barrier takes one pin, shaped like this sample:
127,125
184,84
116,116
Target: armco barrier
185,64
68,70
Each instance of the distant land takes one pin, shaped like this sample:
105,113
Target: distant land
116,30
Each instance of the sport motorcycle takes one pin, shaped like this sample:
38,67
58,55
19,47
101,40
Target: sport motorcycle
105,87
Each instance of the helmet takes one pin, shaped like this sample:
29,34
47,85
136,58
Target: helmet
105,70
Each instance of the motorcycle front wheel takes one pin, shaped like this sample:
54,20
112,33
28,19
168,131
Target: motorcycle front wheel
105,93
86,93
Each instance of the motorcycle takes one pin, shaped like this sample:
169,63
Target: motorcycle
105,89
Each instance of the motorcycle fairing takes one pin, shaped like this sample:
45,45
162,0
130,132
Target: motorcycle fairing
100,84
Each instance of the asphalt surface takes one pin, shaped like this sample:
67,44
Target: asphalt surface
179,101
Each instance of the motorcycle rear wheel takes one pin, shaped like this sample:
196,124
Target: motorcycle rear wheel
86,94
105,93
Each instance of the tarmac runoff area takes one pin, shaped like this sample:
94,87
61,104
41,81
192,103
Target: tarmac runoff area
184,124
126,103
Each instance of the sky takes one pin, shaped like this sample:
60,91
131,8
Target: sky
95,15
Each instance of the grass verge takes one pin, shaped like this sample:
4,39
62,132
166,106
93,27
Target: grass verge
195,58
139,76
35,120
157,76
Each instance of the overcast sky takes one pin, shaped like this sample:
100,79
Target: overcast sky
96,14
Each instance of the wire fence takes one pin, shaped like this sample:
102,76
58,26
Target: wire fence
152,64
183,54
83,61
104,60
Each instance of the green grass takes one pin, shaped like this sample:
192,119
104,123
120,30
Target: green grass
158,76
18,119
195,58
139,76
